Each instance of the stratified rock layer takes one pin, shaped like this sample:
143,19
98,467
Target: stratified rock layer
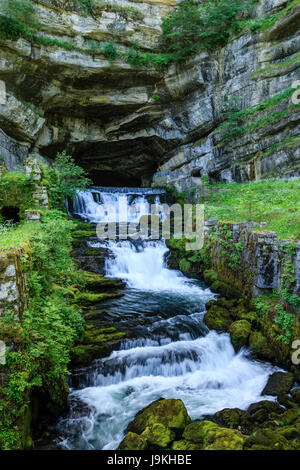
126,124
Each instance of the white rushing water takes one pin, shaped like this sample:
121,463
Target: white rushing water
201,369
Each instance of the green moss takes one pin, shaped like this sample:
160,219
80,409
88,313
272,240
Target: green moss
133,441
218,318
240,332
185,445
158,435
226,290
196,432
260,346
223,439
84,233
169,412
89,298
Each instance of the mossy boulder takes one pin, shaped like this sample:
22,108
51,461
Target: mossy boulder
239,331
260,346
267,439
264,410
233,418
279,383
169,412
196,432
209,436
133,441
158,435
218,318
185,445
223,439
226,290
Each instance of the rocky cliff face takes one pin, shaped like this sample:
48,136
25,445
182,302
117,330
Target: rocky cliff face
137,126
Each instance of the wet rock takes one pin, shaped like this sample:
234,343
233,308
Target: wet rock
239,331
279,383
233,418
169,412
96,282
133,441
286,401
264,410
259,345
218,318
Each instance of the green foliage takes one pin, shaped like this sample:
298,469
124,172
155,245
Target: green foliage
289,274
285,320
192,26
87,6
110,51
16,190
22,11
64,179
235,126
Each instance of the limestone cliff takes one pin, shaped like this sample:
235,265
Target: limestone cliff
140,125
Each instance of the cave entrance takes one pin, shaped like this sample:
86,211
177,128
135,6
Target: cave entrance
11,214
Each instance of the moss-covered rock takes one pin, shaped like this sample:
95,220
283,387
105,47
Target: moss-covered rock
196,432
185,445
259,345
223,439
96,282
267,439
158,435
233,418
169,412
226,290
264,410
218,318
279,383
210,276
90,298
239,331
133,441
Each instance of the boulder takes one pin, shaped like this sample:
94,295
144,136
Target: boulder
259,345
169,412
218,318
133,441
279,383
239,331
158,435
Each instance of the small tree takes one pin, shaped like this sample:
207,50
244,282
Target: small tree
65,179
192,26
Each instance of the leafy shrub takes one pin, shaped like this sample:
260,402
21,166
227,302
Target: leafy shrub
208,25
64,180
110,51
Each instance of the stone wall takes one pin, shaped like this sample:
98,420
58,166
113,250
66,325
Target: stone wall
253,259
13,281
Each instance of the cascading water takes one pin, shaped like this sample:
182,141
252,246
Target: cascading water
173,355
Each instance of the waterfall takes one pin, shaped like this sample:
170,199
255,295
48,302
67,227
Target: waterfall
173,355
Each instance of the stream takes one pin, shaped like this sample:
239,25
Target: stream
171,353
